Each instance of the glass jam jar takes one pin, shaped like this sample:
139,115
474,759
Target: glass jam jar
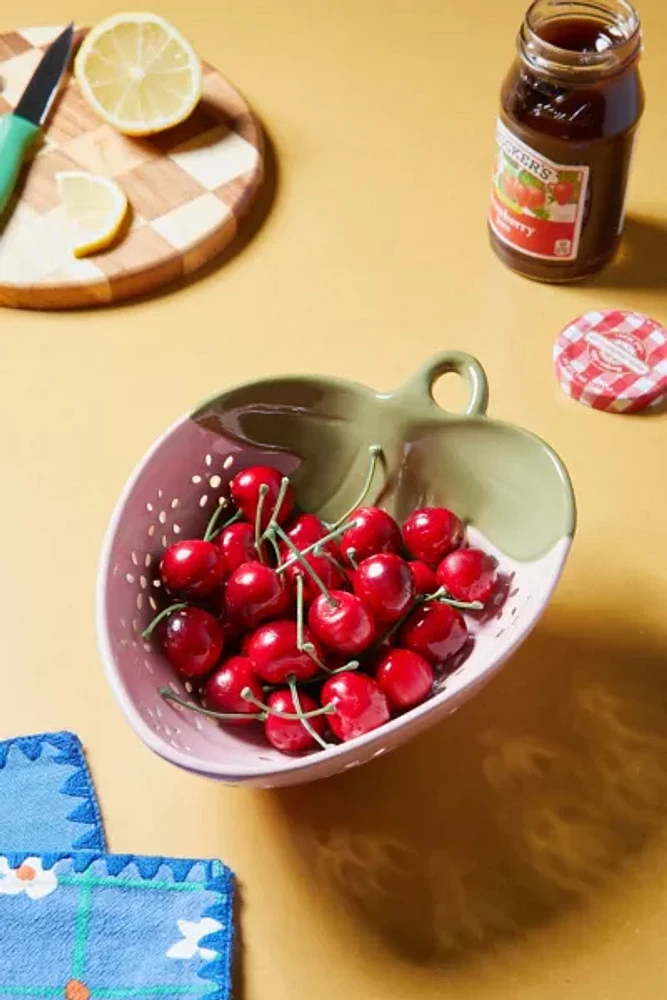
570,106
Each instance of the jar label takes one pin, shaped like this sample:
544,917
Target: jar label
537,206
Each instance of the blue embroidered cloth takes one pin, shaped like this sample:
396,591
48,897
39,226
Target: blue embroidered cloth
85,926
48,799
79,924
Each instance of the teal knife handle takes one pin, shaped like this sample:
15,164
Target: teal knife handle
16,138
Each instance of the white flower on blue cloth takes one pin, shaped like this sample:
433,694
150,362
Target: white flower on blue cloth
192,933
30,877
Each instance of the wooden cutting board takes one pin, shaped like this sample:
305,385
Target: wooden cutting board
188,189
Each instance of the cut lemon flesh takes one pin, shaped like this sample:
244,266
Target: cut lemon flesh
138,73
95,208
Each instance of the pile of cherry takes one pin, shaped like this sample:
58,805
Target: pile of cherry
316,630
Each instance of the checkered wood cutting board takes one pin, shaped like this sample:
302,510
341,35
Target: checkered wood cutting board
188,189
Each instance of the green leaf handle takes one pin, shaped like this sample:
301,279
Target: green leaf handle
422,382
16,138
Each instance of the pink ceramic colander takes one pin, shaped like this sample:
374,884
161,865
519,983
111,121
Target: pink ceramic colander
509,485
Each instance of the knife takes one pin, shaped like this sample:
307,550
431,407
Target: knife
19,129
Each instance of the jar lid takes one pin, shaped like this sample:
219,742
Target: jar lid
613,360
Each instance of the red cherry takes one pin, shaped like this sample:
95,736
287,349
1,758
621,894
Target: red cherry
192,641
424,577
255,592
237,544
274,651
373,531
290,735
192,568
222,691
328,572
306,530
245,491
360,704
385,584
431,532
436,631
468,575
342,623
405,677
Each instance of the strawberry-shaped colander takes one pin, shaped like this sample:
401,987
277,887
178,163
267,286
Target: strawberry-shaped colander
508,485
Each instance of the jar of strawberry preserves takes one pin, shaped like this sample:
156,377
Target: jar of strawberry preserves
570,106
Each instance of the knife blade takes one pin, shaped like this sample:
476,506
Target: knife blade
19,129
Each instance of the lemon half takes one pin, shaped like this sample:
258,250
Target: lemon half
138,73
96,208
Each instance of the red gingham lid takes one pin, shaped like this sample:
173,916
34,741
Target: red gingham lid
613,360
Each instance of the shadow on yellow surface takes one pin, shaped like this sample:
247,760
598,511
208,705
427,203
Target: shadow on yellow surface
505,816
641,262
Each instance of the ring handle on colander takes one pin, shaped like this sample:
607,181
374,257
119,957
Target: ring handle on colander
463,364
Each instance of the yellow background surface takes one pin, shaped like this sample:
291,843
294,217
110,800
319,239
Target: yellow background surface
518,850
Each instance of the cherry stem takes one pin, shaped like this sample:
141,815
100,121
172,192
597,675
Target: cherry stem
442,596
374,451
332,559
299,611
273,520
291,716
168,695
304,562
263,490
146,634
396,625
351,555
303,716
212,531
316,546
274,545
305,647
439,595
352,665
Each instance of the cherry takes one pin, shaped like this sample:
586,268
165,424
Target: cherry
192,640
468,575
431,532
305,531
385,584
360,705
436,631
237,544
291,735
192,568
341,621
222,691
425,579
405,678
255,592
328,572
274,650
373,531
245,489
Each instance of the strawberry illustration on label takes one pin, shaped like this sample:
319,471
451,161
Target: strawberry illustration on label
536,206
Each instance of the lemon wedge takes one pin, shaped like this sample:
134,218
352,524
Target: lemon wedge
96,208
138,73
